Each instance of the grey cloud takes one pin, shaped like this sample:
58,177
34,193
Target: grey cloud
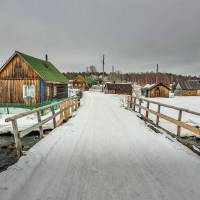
135,35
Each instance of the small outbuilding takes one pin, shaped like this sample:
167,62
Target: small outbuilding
79,83
188,88
28,80
118,88
155,90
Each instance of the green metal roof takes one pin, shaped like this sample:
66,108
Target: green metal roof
46,70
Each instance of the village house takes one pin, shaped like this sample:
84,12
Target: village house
155,90
79,83
118,88
188,88
28,80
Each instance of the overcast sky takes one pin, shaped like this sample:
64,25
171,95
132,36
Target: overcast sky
134,35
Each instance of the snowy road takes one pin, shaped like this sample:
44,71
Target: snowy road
103,153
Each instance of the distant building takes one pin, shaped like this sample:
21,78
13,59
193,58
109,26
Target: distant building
155,90
28,80
79,83
118,88
188,88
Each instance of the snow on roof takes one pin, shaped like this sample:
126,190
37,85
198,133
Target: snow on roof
148,86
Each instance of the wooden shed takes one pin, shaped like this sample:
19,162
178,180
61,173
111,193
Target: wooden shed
79,83
28,80
118,88
155,90
188,88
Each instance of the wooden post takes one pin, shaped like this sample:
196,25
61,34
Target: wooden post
134,103
40,127
178,127
76,104
66,110
71,107
131,101
157,117
17,138
147,112
79,102
54,118
140,103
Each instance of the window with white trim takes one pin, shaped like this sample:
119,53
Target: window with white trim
54,90
28,91
48,91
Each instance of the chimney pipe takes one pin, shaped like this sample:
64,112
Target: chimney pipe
46,58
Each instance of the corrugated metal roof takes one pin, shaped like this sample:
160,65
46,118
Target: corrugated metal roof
190,84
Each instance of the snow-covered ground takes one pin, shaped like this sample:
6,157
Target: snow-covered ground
103,153
190,102
25,122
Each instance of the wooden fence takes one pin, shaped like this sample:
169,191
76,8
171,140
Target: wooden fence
134,102
63,109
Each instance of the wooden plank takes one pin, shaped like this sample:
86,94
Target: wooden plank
54,117
32,128
157,117
140,103
32,111
178,127
174,121
173,107
17,138
40,127
147,113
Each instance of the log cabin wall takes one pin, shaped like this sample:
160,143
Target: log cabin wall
61,91
159,91
12,78
189,92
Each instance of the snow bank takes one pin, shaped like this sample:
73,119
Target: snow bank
191,103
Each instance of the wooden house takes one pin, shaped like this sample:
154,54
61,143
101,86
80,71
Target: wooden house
79,83
188,88
118,88
155,90
28,80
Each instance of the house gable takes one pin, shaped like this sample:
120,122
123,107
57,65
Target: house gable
17,68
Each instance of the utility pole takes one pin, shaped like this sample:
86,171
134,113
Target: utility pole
113,71
103,67
103,63
157,73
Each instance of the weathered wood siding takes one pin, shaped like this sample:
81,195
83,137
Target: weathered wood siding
12,91
159,91
12,78
17,68
61,91
189,92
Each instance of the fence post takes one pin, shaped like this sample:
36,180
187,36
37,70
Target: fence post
178,127
131,101
17,138
53,114
40,127
140,103
157,117
134,104
147,112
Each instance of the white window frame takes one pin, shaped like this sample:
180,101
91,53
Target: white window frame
54,90
28,91
48,91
